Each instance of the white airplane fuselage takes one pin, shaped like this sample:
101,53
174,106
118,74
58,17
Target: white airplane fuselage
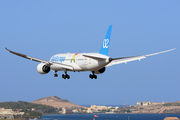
79,62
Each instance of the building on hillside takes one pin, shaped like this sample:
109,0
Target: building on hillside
148,103
144,103
89,110
94,107
116,107
8,113
67,111
63,111
171,118
109,107
75,111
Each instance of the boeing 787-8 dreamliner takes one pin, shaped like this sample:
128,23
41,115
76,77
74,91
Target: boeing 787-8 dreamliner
94,62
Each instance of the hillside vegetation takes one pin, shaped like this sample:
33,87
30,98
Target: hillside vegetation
172,104
26,107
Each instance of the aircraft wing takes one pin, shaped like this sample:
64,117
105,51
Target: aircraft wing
132,58
40,60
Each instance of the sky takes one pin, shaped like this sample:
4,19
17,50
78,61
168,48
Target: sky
43,28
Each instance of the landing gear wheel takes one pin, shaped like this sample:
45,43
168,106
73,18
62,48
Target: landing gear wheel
55,75
65,76
93,76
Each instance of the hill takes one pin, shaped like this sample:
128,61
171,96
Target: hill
56,102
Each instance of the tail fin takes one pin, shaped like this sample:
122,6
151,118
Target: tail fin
105,46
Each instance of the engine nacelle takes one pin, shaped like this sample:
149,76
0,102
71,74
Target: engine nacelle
100,71
43,68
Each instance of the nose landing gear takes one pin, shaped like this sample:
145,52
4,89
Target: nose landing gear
55,75
93,76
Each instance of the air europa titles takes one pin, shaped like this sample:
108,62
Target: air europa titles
58,59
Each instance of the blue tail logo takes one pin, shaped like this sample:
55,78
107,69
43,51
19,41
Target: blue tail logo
106,43
105,46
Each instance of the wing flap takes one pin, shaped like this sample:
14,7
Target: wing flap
125,60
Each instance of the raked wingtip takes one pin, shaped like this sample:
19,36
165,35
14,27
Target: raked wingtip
7,49
160,52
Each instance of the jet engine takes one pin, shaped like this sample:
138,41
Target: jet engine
43,68
100,71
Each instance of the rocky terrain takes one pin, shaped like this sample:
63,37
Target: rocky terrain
56,102
167,108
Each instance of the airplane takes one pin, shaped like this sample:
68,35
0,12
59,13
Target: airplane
94,62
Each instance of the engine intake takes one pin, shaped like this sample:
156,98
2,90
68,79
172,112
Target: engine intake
100,71
43,68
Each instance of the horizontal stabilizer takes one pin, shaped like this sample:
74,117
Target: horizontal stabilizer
123,57
95,56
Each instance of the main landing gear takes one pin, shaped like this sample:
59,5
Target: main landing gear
65,75
93,75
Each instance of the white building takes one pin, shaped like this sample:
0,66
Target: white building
148,103
9,113
94,107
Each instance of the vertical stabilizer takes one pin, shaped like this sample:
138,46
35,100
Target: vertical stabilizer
105,45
